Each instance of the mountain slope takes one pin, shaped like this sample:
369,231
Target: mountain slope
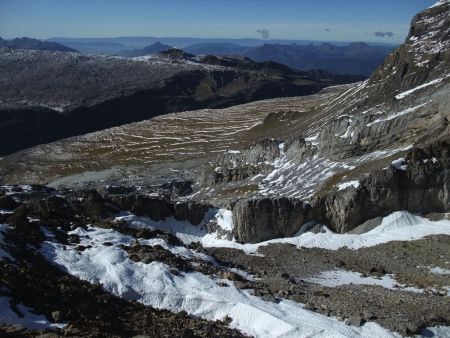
54,95
151,49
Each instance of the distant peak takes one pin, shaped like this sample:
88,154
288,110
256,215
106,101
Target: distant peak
360,43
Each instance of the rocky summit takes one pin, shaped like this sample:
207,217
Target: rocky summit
234,199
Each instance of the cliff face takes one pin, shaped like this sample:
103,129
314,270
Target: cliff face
421,184
257,220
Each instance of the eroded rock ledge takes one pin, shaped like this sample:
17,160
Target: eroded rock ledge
420,185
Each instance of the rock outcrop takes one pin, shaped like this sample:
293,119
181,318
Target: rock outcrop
421,186
159,208
257,220
239,165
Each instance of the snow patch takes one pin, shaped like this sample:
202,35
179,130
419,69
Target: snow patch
341,277
439,271
395,115
400,164
345,185
425,85
440,3
184,230
313,139
29,319
224,219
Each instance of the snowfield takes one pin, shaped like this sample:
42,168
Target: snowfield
212,298
200,295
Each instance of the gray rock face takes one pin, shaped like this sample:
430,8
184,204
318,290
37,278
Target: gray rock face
256,159
238,166
297,149
366,226
257,220
160,208
424,187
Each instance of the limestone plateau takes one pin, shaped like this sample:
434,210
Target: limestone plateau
306,215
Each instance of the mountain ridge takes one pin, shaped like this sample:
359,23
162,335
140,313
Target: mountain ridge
29,43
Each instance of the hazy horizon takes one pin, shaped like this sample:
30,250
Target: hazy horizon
381,22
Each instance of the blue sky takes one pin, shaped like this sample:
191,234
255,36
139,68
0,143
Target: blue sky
327,20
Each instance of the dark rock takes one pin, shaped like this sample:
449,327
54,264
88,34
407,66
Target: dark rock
25,231
19,220
119,190
7,202
91,204
179,188
73,239
191,211
51,207
157,208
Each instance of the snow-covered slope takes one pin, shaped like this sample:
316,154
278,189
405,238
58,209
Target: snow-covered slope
153,284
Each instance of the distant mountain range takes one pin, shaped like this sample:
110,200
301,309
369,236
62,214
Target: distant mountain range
218,48
152,49
136,42
28,43
356,58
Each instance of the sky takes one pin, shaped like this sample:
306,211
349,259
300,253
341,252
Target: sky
385,21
